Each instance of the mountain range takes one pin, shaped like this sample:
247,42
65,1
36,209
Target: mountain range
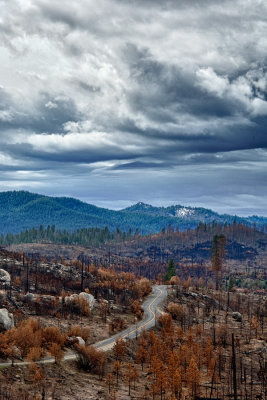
20,210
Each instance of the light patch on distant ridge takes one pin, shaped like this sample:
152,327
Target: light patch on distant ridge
184,212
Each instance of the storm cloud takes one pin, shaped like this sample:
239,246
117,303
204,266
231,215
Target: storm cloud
120,101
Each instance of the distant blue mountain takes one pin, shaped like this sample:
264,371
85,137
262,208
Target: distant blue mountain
20,210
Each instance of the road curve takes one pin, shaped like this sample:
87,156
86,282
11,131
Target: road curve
158,295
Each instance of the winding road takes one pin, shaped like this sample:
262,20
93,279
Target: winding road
150,305
157,296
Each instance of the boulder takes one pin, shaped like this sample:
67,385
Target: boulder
4,276
6,320
80,340
30,297
76,339
237,316
83,295
69,299
89,298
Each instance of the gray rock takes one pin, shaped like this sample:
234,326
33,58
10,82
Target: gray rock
47,299
89,298
69,299
29,296
74,339
237,316
80,340
4,276
83,295
6,320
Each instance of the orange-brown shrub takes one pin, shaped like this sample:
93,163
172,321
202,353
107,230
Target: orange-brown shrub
175,310
91,359
27,335
137,309
78,331
52,334
35,354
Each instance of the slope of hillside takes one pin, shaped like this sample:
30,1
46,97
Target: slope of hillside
23,210
193,215
20,210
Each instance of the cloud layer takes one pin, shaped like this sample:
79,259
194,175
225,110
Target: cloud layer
120,101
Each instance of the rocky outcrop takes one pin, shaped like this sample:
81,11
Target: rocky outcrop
42,299
6,320
4,276
210,301
57,270
83,295
60,271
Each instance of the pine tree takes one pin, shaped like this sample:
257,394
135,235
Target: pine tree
171,270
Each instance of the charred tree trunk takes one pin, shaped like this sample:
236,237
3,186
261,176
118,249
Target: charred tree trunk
234,367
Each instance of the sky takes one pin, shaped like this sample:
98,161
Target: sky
120,101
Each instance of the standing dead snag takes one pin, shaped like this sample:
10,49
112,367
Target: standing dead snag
116,370
218,254
131,375
110,381
234,367
142,354
135,375
104,310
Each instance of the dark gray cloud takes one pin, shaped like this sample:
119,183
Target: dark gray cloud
48,114
122,101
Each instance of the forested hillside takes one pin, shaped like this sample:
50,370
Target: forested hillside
20,210
23,210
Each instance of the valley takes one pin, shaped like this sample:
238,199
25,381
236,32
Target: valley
100,314
92,313
133,218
